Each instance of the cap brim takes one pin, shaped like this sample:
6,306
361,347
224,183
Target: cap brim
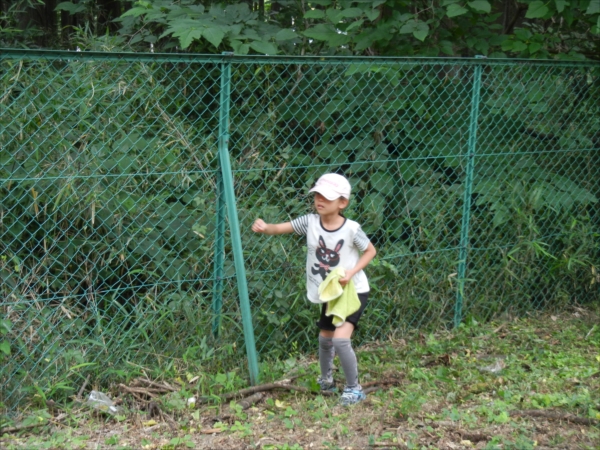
326,192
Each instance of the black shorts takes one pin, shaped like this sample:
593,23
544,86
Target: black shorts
326,322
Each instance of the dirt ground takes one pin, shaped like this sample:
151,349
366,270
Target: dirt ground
432,393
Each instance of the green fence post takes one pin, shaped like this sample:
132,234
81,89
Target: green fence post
219,246
234,224
466,216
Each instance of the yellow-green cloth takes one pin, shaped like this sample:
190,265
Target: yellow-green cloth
341,301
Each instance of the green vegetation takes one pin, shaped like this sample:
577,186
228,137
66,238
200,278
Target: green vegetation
108,180
539,394
507,28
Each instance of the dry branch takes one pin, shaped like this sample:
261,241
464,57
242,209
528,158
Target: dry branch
385,445
144,386
142,382
142,390
474,437
266,387
10,430
249,401
554,415
369,387
83,386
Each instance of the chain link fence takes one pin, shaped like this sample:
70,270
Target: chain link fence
129,184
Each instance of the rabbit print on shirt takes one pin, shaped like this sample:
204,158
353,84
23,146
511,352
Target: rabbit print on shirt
327,258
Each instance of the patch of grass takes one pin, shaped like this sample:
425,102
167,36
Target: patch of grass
470,387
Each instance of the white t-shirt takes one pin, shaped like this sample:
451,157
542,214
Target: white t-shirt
326,249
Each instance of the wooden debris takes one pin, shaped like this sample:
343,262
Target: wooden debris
555,415
10,430
249,401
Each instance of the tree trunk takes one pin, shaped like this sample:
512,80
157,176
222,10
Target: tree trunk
109,10
275,6
261,9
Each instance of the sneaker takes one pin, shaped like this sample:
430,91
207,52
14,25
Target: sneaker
326,385
351,396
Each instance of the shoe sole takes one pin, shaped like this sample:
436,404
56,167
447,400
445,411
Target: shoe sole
361,399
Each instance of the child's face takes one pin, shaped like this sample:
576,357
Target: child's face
326,207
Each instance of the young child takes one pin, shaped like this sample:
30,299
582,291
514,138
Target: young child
332,241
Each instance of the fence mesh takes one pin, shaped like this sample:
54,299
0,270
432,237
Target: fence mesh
476,180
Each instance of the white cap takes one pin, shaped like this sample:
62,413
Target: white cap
332,186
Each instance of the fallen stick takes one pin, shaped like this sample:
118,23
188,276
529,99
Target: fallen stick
244,403
371,387
390,445
212,431
553,415
141,390
10,430
261,388
382,383
162,386
249,401
83,386
473,437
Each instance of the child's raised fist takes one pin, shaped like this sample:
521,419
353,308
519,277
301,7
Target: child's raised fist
259,226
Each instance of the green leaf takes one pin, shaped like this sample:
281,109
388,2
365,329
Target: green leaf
382,182
364,40
422,31
536,10
314,14
324,151
594,7
320,32
5,347
187,36
481,5
134,12
239,48
73,8
264,47
355,25
351,13
372,15
213,35
409,27
523,34
560,5
338,40
507,45
541,107
409,170
5,326
482,46
534,47
334,15
285,34
519,46
454,10
446,47
374,202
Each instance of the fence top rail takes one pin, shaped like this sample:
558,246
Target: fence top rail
281,59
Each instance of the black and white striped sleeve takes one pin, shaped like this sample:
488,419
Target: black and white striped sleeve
300,225
361,241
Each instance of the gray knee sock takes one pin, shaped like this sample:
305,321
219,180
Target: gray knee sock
343,348
326,354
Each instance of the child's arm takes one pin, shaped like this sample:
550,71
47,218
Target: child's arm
259,226
362,262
